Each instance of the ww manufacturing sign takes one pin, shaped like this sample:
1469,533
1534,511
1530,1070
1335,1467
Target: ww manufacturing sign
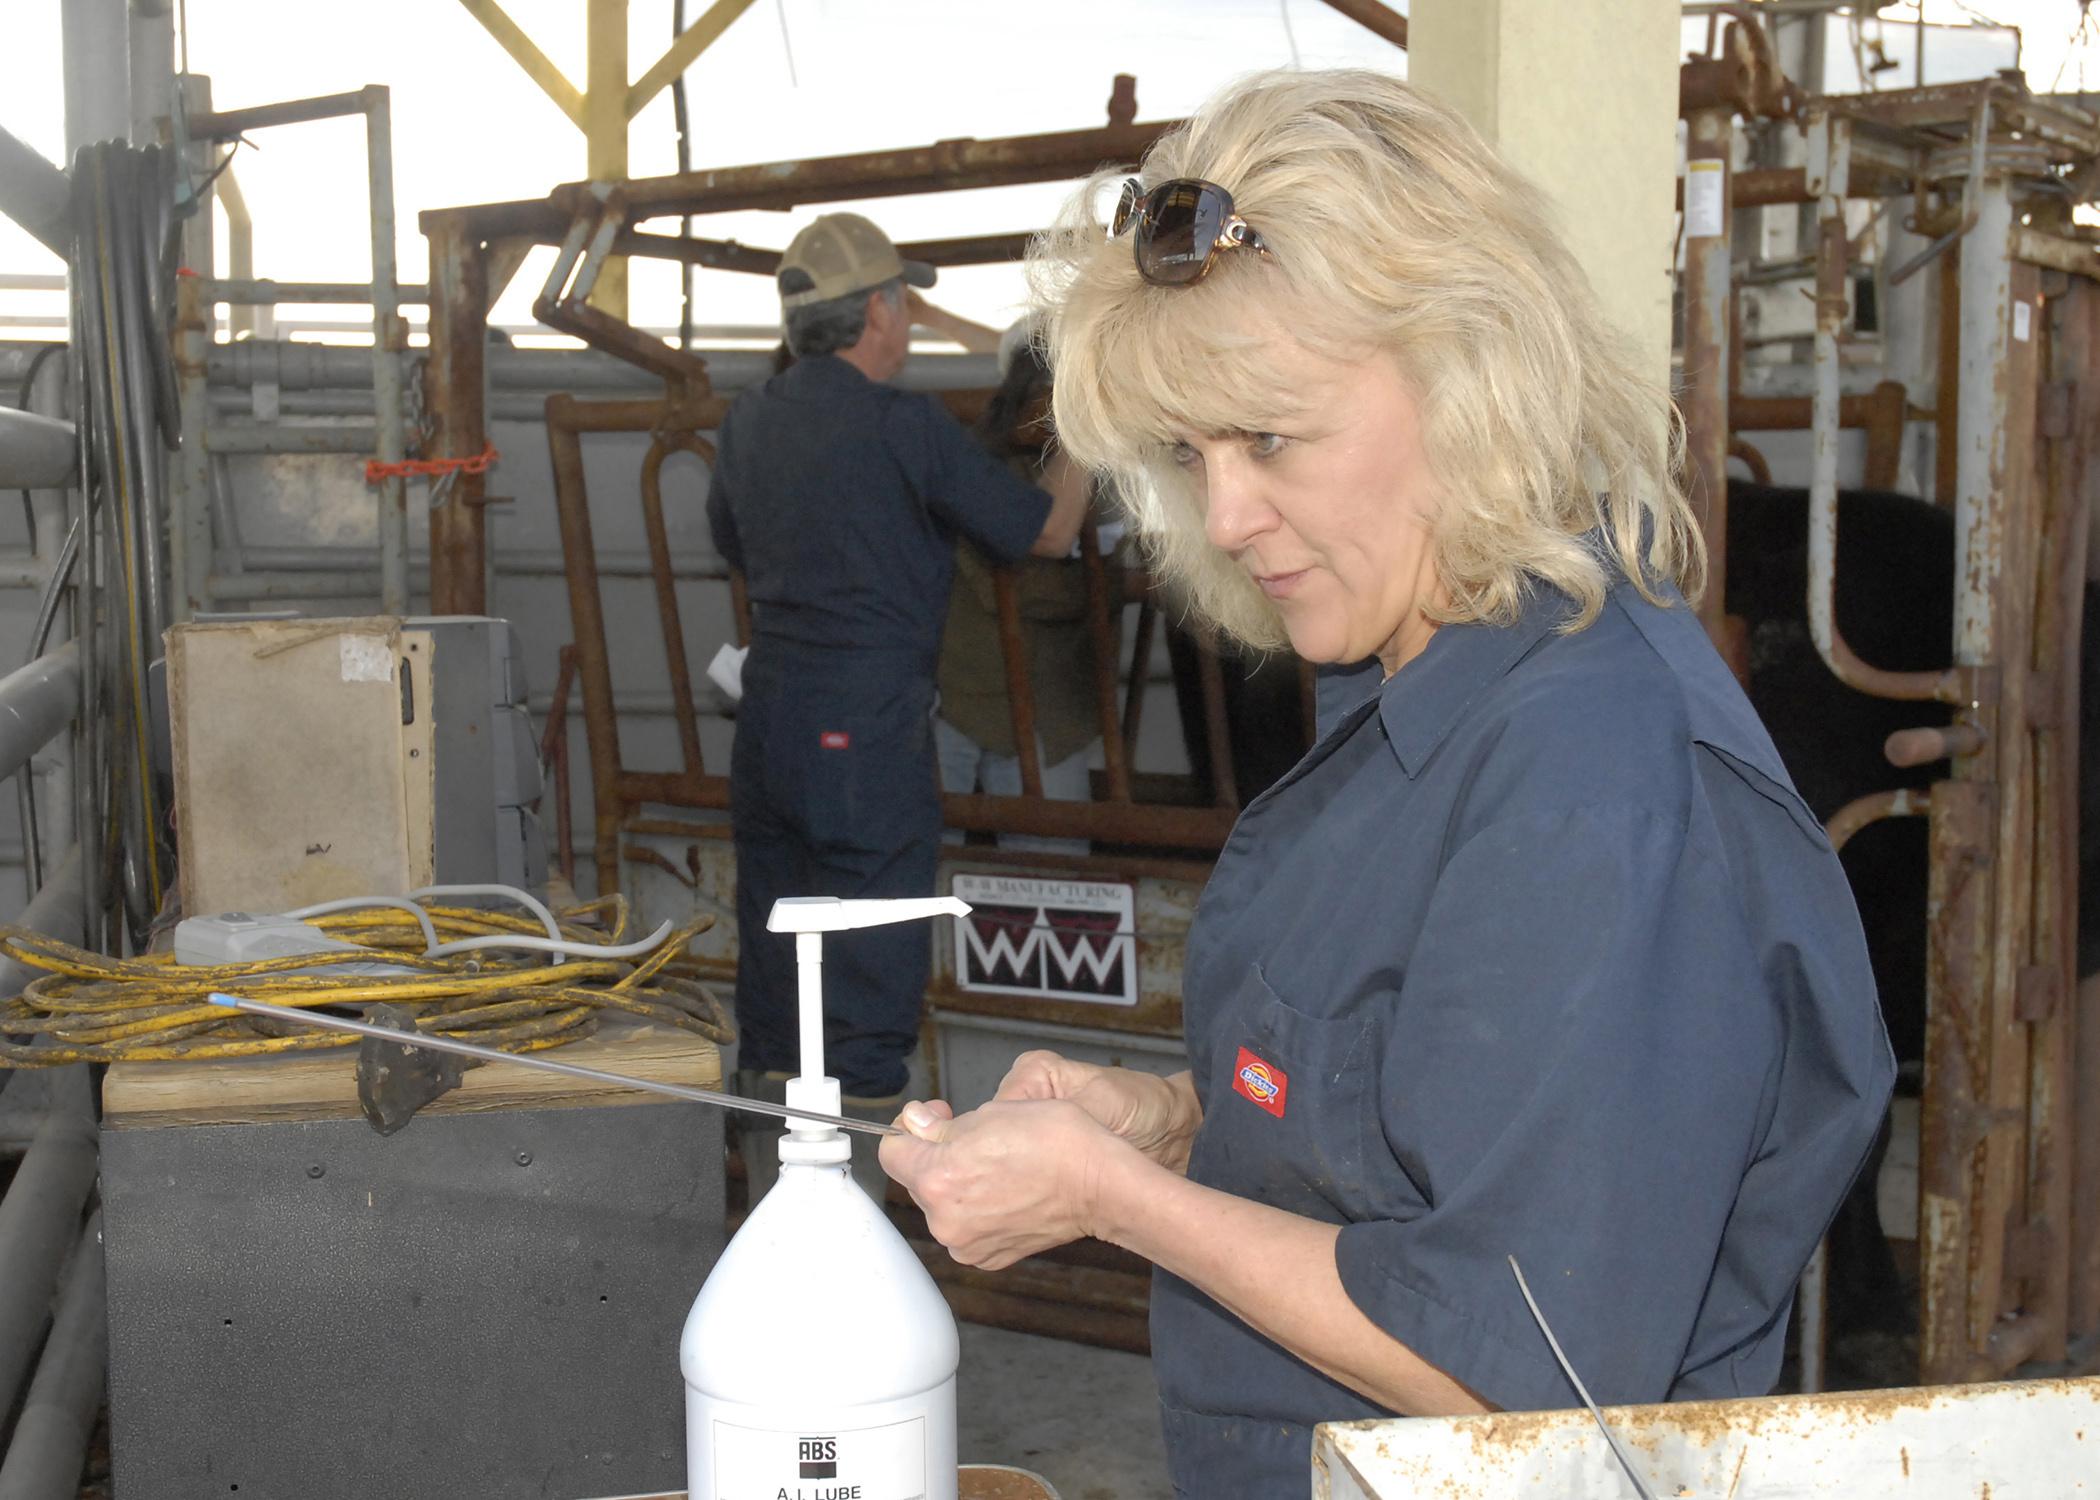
1047,939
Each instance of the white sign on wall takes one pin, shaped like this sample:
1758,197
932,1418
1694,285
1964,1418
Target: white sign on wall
1047,939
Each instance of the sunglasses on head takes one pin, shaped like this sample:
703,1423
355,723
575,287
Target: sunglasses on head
1182,227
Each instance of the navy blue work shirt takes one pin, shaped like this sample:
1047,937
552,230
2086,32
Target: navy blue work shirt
1537,953
840,499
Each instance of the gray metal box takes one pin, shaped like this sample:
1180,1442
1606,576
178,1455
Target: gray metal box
485,1304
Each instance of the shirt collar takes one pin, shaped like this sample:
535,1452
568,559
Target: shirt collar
825,369
1421,702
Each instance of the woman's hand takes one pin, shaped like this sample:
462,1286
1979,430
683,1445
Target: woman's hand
1157,1115
1002,1182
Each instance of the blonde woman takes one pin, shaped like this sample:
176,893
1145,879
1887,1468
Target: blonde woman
1536,954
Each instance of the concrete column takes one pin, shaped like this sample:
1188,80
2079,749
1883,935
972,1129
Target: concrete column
152,69
97,46
1580,96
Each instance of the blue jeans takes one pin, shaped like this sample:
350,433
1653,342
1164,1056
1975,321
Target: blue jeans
967,766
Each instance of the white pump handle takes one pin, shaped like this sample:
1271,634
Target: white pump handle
837,914
809,918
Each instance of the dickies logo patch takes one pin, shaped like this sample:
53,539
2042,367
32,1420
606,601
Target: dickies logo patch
835,739
1262,1084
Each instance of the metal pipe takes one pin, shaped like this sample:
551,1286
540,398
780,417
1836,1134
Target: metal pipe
389,341
286,437
35,194
190,476
1830,139
1814,1296
1103,614
39,1218
1020,692
522,562
36,453
1377,18
249,587
96,46
423,1040
1709,264
945,166
266,293
455,389
659,540
224,125
50,1442
152,67
36,702
304,366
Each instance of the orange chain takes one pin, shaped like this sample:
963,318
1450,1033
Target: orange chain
430,468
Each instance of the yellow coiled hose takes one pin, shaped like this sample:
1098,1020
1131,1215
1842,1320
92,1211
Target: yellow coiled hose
88,1007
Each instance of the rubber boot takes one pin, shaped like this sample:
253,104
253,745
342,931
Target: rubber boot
759,1135
867,1165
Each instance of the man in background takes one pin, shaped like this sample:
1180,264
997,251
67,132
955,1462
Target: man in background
840,499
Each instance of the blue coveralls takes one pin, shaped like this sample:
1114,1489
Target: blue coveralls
1536,953
841,500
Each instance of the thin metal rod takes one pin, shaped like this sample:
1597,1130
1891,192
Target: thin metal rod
528,1060
1611,1438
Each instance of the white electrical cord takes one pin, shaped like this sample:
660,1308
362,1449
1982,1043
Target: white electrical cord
510,892
553,945
358,903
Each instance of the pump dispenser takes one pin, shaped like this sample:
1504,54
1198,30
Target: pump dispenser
819,1358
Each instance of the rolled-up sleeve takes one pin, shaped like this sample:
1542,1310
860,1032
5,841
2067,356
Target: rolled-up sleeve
1579,1069
960,482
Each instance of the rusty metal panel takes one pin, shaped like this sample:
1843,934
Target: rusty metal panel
2029,1440
1958,915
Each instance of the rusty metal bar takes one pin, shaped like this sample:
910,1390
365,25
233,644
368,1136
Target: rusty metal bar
1995,524
587,624
1872,808
729,255
2077,347
2066,322
1928,743
1952,1116
1382,20
1708,317
1828,172
1797,413
454,376
1020,693
945,166
1140,670
1748,455
554,753
1102,616
659,539
1888,407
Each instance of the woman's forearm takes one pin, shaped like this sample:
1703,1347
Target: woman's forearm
1275,1271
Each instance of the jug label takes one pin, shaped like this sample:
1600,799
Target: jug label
835,1463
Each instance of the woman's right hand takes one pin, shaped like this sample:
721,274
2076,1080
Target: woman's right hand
1157,1115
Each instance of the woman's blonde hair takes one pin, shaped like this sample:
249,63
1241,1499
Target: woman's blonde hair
1393,227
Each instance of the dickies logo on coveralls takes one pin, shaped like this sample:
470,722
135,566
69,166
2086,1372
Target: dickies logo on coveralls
835,739
1262,1084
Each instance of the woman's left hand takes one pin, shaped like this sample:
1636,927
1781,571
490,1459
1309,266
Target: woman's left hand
1004,1181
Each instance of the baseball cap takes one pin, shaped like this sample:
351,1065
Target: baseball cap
839,254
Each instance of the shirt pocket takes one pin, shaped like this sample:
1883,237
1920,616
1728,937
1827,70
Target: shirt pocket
1291,1104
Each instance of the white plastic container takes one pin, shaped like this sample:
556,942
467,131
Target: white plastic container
819,1358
